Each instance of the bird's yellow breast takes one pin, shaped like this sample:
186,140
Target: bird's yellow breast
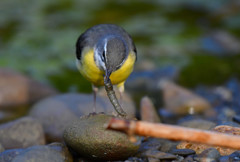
91,72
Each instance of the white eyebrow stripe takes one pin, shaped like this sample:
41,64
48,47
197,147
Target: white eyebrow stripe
105,49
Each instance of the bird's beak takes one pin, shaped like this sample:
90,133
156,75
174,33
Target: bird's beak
107,75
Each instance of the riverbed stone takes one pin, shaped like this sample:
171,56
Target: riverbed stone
18,89
21,133
89,138
181,101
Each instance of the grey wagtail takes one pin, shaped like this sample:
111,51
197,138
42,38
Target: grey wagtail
105,56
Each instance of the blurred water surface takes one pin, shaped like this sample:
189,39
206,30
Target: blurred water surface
38,37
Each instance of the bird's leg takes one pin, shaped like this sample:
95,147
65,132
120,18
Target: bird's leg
113,98
95,90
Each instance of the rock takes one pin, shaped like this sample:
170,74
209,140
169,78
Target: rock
44,153
143,82
198,123
88,137
17,89
21,133
158,144
208,155
159,155
181,101
182,152
153,160
235,156
1,148
9,155
189,158
148,111
199,148
57,112
61,148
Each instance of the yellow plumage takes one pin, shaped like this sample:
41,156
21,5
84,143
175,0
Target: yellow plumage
91,72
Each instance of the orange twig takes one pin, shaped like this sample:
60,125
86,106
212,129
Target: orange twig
174,133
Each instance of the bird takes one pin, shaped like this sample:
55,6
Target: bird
105,56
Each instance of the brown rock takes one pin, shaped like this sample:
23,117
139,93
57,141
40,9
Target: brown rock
148,111
181,101
17,89
199,148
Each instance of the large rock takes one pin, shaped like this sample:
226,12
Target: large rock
48,153
181,101
21,133
89,138
57,112
17,89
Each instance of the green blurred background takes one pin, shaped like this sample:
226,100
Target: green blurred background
200,37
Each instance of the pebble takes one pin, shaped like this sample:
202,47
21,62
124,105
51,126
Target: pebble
57,112
17,89
182,152
159,155
21,133
208,155
88,137
181,101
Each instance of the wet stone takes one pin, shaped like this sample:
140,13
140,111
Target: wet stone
182,152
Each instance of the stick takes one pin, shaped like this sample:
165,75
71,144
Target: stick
174,133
